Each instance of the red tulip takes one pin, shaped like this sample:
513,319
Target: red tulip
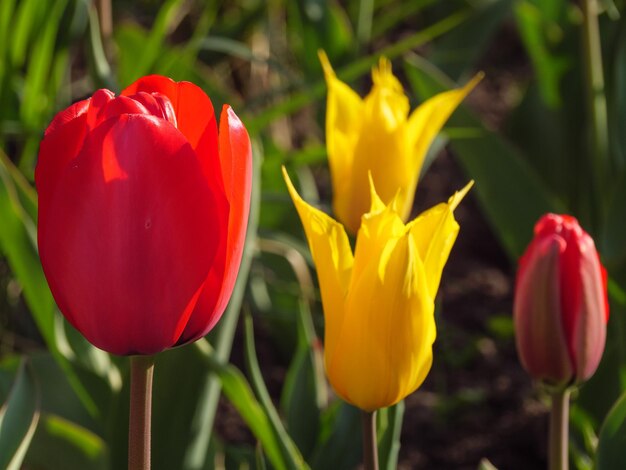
561,305
142,214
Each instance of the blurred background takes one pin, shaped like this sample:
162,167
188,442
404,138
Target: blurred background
540,133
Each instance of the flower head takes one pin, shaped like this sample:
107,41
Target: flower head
377,135
142,214
561,305
379,302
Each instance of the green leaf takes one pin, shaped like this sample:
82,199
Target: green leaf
610,454
340,443
534,26
389,429
140,60
290,452
510,192
18,234
18,419
35,108
459,50
59,443
298,400
240,394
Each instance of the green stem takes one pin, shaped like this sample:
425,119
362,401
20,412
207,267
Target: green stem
596,100
141,372
370,445
559,431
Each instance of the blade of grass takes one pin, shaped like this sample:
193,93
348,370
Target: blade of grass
238,391
18,419
290,452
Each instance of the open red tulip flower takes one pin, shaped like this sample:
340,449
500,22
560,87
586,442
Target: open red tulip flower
143,209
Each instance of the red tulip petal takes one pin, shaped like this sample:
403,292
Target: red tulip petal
158,105
97,103
236,169
605,290
588,334
62,141
541,340
127,258
571,291
194,111
74,111
122,105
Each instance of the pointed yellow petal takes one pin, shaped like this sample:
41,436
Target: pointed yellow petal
333,259
380,148
458,196
435,232
425,123
376,204
388,329
344,119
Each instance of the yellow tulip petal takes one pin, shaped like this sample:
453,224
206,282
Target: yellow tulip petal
344,120
333,259
386,104
378,226
423,126
387,331
435,232
380,148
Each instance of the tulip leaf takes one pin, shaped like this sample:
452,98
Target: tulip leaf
298,401
389,429
340,445
305,392
534,24
59,443
290,452
19,416
510,192
610,454
240,394
461,48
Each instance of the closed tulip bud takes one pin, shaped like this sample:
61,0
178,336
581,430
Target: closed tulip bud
377,135
561,306
142,214
379,302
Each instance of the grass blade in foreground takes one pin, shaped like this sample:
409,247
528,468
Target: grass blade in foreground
18,419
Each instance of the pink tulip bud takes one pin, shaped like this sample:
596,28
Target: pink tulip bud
561,306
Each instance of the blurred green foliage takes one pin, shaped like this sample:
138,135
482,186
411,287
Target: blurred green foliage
557,146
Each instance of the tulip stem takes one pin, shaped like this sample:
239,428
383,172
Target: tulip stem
370,444
141,371
559,431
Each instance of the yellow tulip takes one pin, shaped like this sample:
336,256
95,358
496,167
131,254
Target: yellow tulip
379,302
377,135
